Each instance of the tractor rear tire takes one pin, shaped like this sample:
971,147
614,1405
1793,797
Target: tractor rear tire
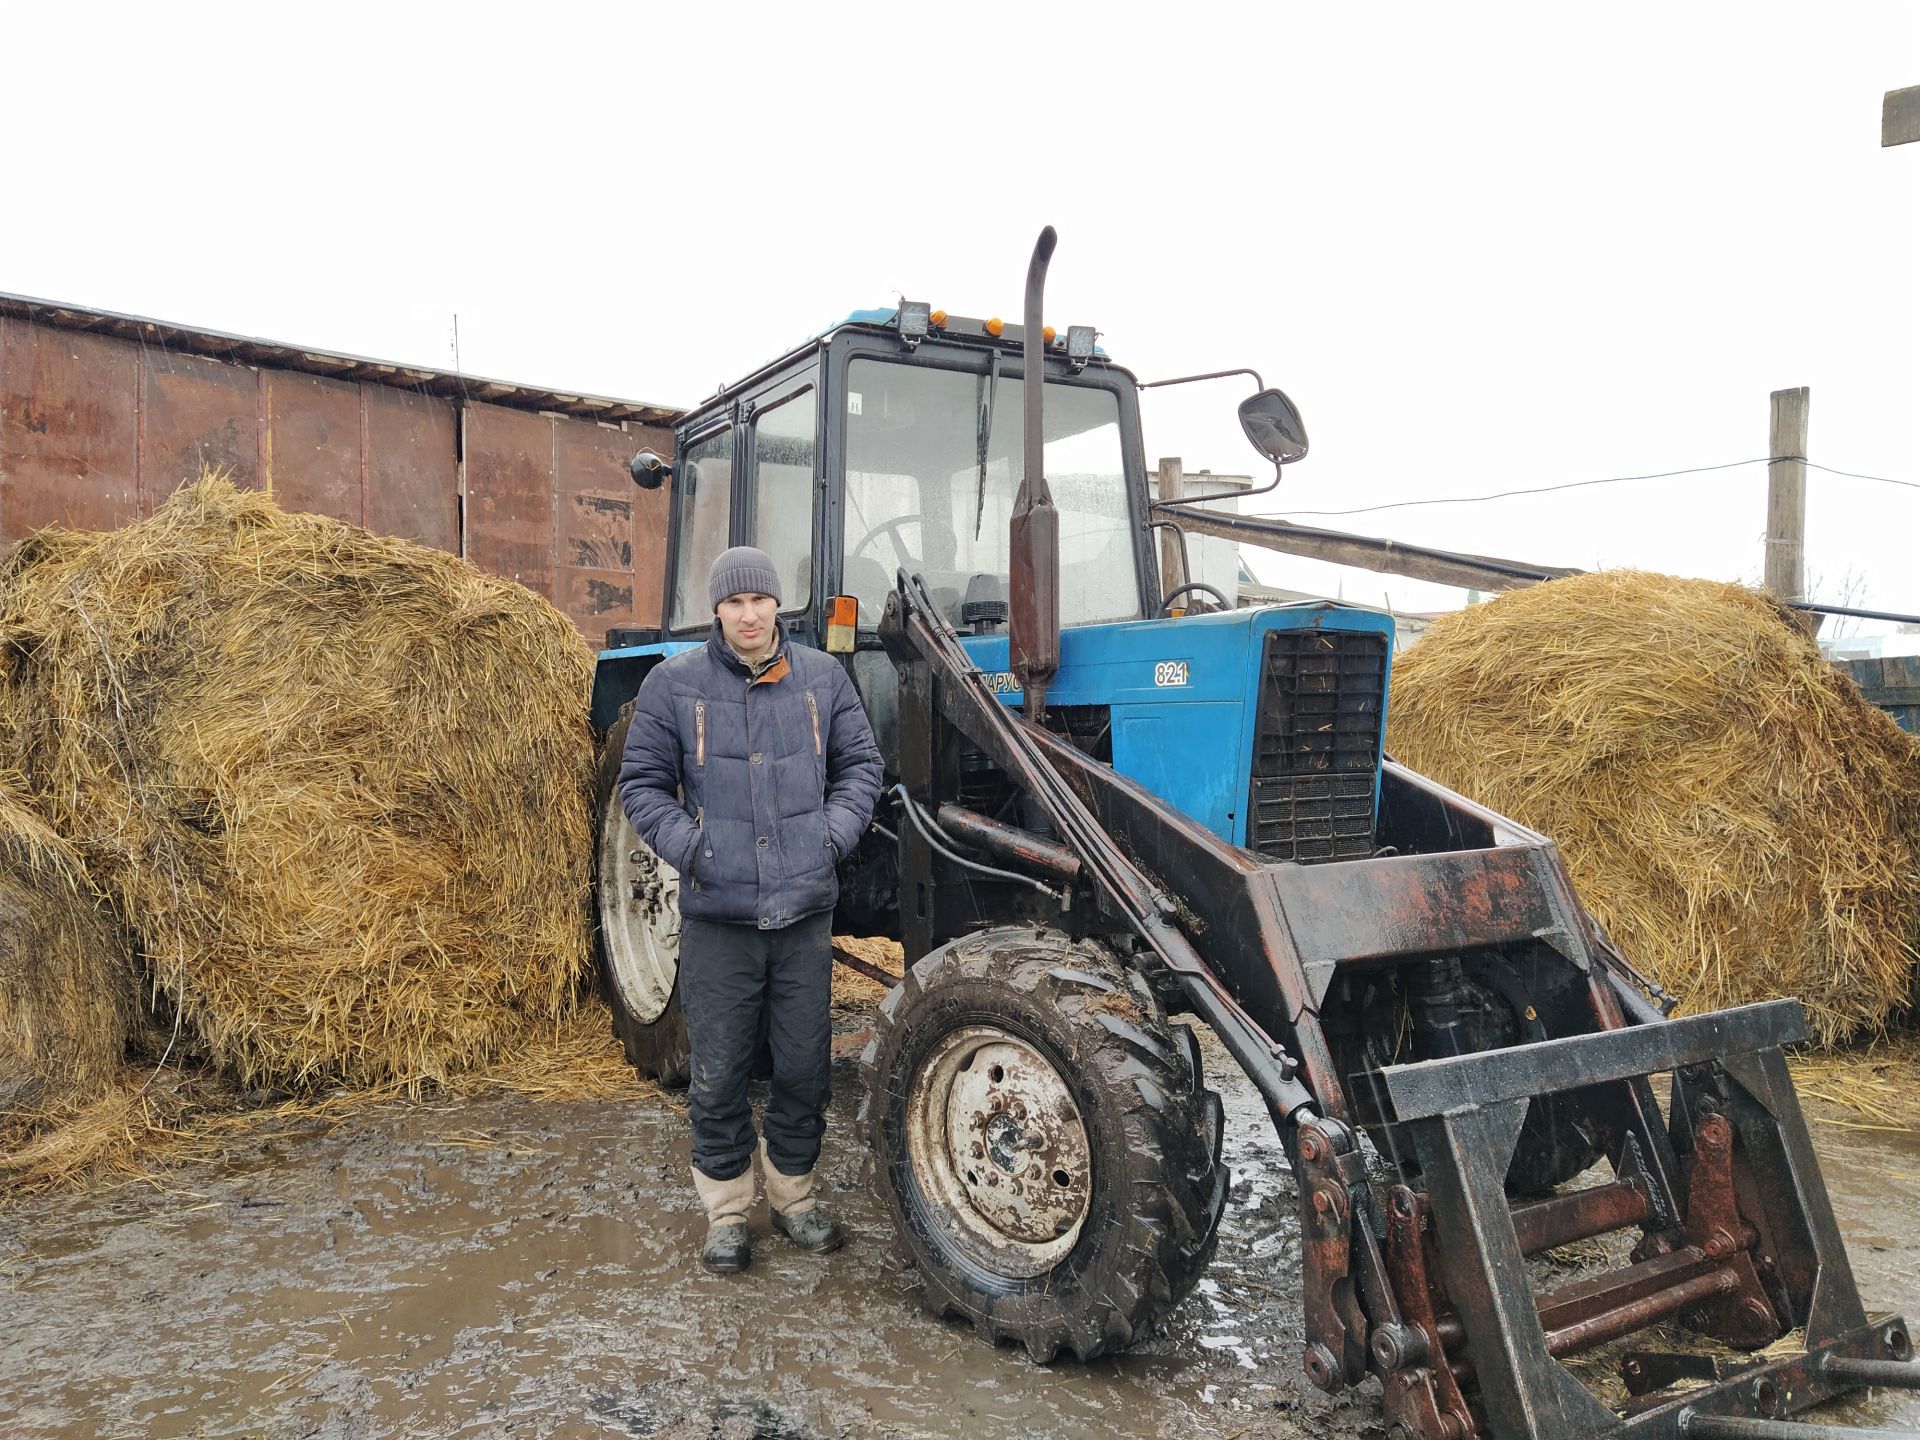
1044,1142
636,931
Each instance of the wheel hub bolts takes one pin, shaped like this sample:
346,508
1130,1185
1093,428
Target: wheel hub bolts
1003,1142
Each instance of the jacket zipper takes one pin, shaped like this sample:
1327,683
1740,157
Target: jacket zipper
813,714
700,732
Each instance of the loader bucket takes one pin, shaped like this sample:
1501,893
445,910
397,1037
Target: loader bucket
1736,1242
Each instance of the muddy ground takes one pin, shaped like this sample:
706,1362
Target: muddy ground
524,1269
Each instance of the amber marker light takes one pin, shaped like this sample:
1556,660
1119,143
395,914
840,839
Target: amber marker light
938,319
843,616
1046,334
995,326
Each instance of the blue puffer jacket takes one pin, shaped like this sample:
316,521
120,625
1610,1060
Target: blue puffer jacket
780,775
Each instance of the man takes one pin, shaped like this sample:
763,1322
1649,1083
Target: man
769,747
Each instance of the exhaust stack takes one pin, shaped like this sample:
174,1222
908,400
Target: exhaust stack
1034,531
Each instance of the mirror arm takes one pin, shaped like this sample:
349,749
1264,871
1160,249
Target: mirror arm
1258,383
1196,504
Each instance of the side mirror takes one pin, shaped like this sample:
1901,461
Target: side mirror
1273,426
649,471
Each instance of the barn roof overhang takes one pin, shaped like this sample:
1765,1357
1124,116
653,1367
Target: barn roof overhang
246,350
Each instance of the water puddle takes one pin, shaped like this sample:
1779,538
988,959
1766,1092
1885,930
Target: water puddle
515,1268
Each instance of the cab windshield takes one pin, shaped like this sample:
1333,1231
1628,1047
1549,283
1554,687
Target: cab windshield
918,497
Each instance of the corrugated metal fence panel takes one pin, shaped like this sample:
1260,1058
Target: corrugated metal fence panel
196,414
510,494
413,466
69,430
1892,683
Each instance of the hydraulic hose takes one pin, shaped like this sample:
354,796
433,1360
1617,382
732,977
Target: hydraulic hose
927,833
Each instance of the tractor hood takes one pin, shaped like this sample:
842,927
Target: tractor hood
1212,711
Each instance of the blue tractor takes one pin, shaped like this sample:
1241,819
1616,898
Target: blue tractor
1110,804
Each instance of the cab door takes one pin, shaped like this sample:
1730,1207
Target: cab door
780,485
703,521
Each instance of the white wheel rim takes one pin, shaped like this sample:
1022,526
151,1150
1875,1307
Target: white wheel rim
638,898
998,1146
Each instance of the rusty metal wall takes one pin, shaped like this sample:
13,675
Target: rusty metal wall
510,494
412,445
69,431
314,445
96,431
195,414
599,548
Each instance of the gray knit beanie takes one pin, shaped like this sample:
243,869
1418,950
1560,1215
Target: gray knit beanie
742,570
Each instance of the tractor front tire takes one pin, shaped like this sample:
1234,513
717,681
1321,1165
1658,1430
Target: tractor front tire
636,931
1044,1142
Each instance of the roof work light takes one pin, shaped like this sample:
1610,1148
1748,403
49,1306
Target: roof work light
1079,345
916,321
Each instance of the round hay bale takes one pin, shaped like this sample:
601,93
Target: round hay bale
336,783
66,978
1734,812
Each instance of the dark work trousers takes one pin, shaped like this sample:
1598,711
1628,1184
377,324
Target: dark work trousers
731,977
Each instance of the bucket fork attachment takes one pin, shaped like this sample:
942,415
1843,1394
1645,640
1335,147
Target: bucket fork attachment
1736,1241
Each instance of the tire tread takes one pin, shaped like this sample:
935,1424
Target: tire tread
1148,1072
658,1051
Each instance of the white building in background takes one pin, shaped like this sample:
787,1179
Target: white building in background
1211,558
1904,641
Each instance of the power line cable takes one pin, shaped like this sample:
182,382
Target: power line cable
1532,489
1609,480
1856,475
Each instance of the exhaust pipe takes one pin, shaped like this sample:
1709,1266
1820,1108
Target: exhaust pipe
1033,541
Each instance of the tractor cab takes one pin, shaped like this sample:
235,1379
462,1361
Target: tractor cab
894,441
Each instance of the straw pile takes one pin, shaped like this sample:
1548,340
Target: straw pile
148,1119
65,982
336,784
1740,819
1877,1083
854,991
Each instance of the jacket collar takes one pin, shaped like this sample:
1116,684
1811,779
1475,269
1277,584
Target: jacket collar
776,669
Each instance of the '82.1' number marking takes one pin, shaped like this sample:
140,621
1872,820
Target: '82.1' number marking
1169,672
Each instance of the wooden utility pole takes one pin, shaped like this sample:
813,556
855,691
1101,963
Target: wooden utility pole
1900,117
1173,562
1787,495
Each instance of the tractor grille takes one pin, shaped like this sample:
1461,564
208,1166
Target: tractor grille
1317,745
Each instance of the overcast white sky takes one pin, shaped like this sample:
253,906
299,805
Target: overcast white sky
1484,247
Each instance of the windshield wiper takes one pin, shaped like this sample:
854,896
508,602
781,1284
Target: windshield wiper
986,433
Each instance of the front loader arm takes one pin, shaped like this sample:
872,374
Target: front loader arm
915,632
1421,1280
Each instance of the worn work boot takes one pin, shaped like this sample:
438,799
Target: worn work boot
726,1249
797,1214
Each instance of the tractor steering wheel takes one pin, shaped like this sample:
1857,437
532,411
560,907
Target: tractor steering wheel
1166,604
891,529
